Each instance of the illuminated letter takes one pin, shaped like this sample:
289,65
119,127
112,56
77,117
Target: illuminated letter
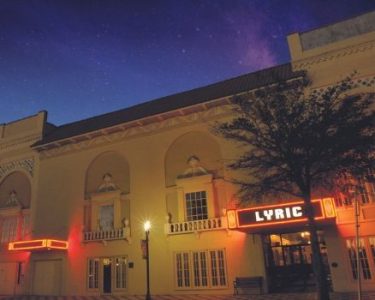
297,211
279,213
287,212
258,218
268,214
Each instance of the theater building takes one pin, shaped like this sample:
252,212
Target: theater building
74,198
18,181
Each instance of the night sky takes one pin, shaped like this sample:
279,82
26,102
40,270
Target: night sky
77,59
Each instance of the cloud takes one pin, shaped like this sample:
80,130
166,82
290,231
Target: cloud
256,52
253,38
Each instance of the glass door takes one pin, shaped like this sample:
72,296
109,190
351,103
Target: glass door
107,275
289,260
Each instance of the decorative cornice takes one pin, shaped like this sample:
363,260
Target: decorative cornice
23,164
136,131
17,143
331,55
363,82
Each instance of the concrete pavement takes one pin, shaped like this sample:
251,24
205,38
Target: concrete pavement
283,296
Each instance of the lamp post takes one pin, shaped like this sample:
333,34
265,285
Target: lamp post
353,191
357,242
147,226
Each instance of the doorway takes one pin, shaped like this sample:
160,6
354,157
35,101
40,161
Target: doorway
8,276
289,261
107,275
47,277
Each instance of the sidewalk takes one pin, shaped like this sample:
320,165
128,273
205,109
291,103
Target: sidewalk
284,296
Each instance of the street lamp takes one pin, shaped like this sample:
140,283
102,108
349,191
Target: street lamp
357,212
147,226
353,192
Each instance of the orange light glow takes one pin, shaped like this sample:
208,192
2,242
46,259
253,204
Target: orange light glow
329,207
56,244
231,216
42,244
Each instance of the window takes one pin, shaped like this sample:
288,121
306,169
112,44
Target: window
103,214
196,206
115,278
93,273
9,229
201,269
372,247
120,272
183,273
363,192
195,195
363,258
106,217
368,186
14,225
218,268
362,189
25,227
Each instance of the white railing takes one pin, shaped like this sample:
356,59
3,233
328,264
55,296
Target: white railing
196,226
106,235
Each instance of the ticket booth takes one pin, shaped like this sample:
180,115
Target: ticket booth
286,241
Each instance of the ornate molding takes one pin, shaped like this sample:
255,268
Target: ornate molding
358,83
23,164
334,54
183,120
11,144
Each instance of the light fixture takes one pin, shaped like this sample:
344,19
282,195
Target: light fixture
147,226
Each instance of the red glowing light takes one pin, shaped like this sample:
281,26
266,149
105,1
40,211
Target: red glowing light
42,244
56,244
27,245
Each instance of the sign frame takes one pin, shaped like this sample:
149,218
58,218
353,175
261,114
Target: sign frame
246,218
39,244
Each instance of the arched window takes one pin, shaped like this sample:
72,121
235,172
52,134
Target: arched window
15,195
192,165
107,189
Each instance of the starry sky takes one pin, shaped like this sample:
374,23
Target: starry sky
80,58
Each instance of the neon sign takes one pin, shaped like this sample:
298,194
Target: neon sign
55,244
41,244
280,214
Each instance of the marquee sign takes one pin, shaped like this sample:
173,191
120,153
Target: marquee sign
42,244
280,214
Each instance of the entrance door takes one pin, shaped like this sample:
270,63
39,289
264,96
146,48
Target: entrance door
107,275
289,261
47,277
8,276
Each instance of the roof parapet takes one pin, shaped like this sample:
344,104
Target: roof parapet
354,31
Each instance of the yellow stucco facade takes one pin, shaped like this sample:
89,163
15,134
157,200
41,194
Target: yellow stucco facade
95,182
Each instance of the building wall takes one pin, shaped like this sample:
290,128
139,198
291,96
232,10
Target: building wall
329,54
148,182
145,172
332,60
19,170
